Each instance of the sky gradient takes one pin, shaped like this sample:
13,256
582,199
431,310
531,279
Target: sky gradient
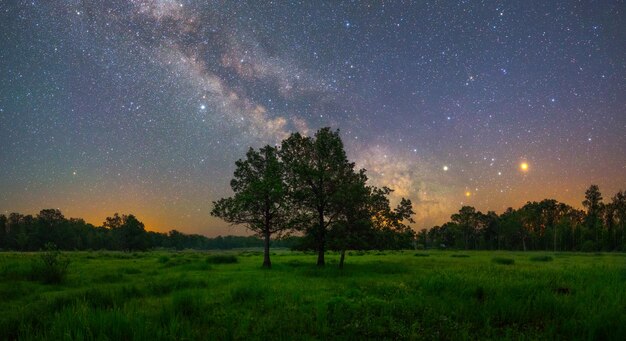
143,107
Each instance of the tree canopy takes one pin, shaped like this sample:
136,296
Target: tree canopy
259,202
309,186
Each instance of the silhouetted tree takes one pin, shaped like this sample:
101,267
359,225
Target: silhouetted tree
260,201
468,220
128,232
3,231
353,225
134,234
316,171
593,204
618,206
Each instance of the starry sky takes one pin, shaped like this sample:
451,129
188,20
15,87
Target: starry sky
143,106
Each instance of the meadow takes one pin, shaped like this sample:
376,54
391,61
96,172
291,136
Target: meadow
378,295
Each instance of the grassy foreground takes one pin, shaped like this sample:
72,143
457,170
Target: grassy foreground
390,295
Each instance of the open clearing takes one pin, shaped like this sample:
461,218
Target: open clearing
379,295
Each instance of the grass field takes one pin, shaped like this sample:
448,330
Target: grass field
379,295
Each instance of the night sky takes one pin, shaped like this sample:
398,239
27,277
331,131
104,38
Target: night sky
143,107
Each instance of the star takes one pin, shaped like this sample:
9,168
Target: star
524,166
149,89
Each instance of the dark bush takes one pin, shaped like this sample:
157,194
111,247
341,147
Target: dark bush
221,259
541,259
459,256
51,267
504,261
419,254
187,304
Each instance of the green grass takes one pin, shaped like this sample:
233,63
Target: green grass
221,259
503,260
542,258
379,295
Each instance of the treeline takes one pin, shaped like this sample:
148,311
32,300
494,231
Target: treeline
120,232
544,225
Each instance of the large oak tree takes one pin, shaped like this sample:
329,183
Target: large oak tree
260,201
317,171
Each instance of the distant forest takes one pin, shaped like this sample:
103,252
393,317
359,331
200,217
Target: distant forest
545,225
120,232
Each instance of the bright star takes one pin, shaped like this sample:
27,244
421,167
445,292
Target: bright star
202,107
523,166
445,168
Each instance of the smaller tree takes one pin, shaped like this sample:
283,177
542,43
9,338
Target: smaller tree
134,234
593,204
390,229
3,231
260,201
353,225
51,267
129,234
618,204
467,220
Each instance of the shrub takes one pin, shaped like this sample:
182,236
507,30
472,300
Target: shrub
459,256
419,254
504,261
188,304
221,259
247,294
541,259
163,259
51,267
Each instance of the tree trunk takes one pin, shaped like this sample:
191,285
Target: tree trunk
342,258
321,239
266,252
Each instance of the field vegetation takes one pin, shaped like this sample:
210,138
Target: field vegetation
378,295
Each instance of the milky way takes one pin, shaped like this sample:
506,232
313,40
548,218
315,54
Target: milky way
144,106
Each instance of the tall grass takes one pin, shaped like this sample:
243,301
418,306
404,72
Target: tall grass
222,259
503,260
51,266
540,259
488,295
